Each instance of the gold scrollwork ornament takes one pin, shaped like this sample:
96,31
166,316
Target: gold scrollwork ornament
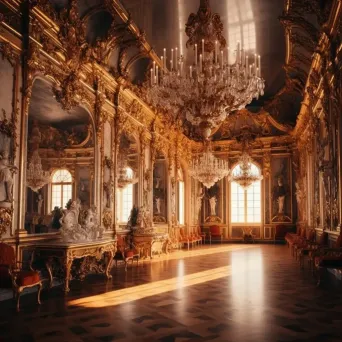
5,220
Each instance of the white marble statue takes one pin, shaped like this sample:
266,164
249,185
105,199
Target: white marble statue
199,202
281,193
40,201
300,197
6,180
74,229
158,205
213,202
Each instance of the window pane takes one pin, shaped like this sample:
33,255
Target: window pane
56,196
254,203
62,176
67,194
246,204
127,202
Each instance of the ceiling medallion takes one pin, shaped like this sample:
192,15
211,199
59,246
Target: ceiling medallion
208,169
36,177
206,90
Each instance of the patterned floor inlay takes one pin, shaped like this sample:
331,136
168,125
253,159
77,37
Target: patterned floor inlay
236,293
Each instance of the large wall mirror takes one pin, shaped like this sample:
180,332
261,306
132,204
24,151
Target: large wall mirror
60,160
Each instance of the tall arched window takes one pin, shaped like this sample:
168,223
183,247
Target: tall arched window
61,188
125,200
246,204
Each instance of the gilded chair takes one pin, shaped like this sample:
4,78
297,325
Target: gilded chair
13,275
309,248
186,239
200,235
323,258
215,232
126,253
280,233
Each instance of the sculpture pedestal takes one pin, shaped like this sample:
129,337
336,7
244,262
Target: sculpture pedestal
151,244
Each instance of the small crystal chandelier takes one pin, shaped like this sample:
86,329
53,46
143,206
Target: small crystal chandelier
36,177
244,174
208,169
125,177
206,90
125,173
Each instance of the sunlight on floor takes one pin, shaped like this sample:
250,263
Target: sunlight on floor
147,290
183,254
127,295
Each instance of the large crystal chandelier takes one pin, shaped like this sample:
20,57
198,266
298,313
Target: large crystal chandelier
245,175
206,90
208,169
36,177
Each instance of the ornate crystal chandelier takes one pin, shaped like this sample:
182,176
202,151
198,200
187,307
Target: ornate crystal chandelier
36,177
125,177
208,169
206,90
125,173
244,174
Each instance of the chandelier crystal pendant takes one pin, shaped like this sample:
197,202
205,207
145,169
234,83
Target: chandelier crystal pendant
244,175
215,83
208,169
36,177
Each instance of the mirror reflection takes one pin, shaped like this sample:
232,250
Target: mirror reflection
60,160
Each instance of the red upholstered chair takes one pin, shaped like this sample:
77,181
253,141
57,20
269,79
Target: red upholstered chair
215,232
328,257
281,231
186,239
124,253
14,276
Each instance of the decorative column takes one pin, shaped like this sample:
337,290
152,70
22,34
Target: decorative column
28,59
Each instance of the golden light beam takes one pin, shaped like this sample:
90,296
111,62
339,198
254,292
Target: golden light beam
201,252
134,293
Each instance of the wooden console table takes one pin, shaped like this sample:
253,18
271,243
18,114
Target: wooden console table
97,257
150,244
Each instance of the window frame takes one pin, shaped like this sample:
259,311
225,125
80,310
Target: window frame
62,185
245,202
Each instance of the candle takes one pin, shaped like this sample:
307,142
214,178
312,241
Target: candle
202,48
190,71
259,65
164,59
195,54
255,63
201,58
154,68
157,74
221,59
243,55
216,45
151,76
250,71
171,59
176,63
247,66
257,72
